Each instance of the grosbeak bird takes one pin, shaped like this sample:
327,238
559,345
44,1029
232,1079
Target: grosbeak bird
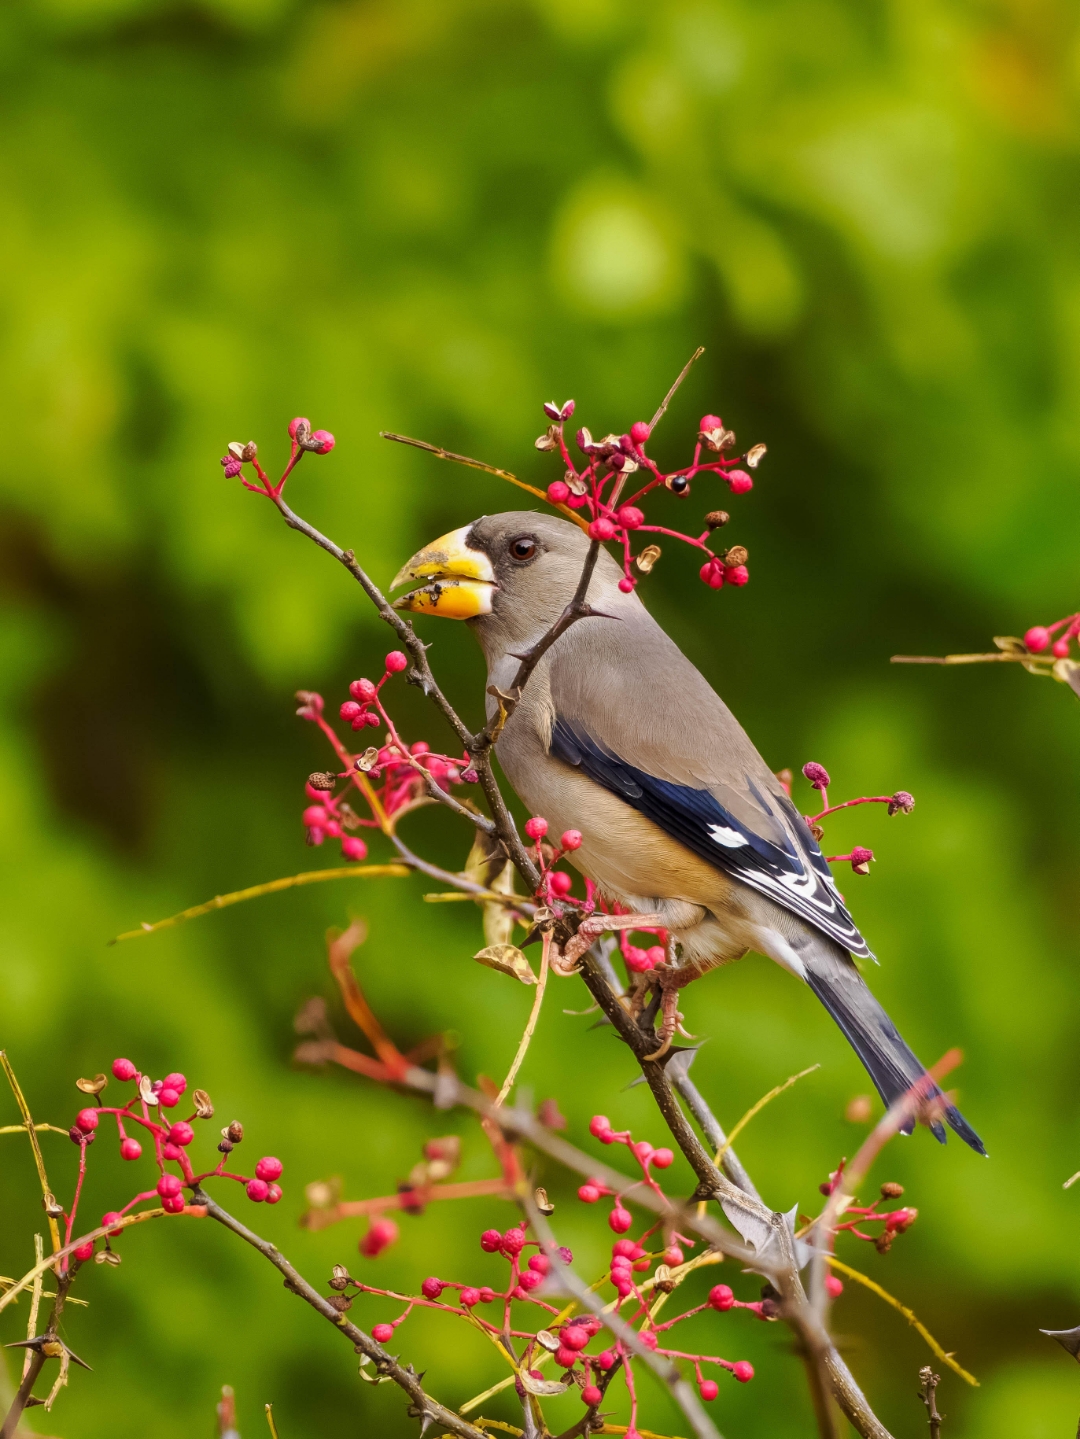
683,823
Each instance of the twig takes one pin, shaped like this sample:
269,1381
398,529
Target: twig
273,886
671,393
423,1406
526,1038
710,1127
270,1421
915,1323
755,1110
928,1395
52,1208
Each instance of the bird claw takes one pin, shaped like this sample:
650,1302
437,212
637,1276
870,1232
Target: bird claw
565,961
669,992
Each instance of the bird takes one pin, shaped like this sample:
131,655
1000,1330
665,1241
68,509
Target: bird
683,824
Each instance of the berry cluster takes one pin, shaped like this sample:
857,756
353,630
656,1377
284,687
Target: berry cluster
391,778
860,858
599,487
894,1222
303,440
170,1138
1041,637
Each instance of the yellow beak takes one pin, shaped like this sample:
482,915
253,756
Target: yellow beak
460,584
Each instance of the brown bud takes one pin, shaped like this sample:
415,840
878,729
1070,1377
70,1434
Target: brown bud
859,1110
717,519
754,456
340,1302
52,1208
662,1279
226,1146
322,779
203,1108
250,450
648,557
107,1256
236,449
367,760
575,484
543,1203
549,440
737,555
883,1243
339,1278
235,1131
92,1086
891,1190
818,831
348,816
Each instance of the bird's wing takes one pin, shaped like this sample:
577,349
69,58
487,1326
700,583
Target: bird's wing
634,715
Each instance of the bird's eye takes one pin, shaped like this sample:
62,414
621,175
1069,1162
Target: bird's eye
523,548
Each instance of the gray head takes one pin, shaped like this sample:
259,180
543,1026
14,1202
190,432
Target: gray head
510,576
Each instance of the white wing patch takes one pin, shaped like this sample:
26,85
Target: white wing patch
729,838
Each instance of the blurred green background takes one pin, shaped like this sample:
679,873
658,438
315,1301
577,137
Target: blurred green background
430,216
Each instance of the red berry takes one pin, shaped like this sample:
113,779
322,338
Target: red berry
487,1294
673,1255
662,1159
834,1286
574,1337
599,1125
130,1149
174,1081
565,1358
642,1151
630,517
182,1133
560,883
588,1194
743,1371
168,1098
626,1249
168,1185
491,1241
273,1193
639,432
353,848
529,1279
637,960
558,493
432,1288
720,1298
606,1359
739,481
84,1252
362,690
333,829
602,529
620,1219
87,1120
708,1389
711,422
536,827
123,1069
623,1287
626,584
712,572
513,1241
173,1204
649,1339
257,1190
294,425
656,954
571,839
1037,638
350,710
325,442
380,1236
591,1395
382,1333
396,662
269,1168
372,719
171,1152
737,575
1061,649
540,1262
315,816
111,1218
469,1297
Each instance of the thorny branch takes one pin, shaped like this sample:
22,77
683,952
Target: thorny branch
423,1406
928,1395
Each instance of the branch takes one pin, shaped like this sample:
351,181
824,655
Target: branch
423,1407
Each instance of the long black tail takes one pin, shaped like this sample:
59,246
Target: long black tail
832,975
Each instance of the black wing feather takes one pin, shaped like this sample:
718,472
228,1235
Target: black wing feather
796,877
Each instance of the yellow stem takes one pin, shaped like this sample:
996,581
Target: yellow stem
126,1223
28,1123
921,1328
526,1038
752,1113
273,886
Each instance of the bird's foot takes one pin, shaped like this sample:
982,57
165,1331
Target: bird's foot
670,1016
565,961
